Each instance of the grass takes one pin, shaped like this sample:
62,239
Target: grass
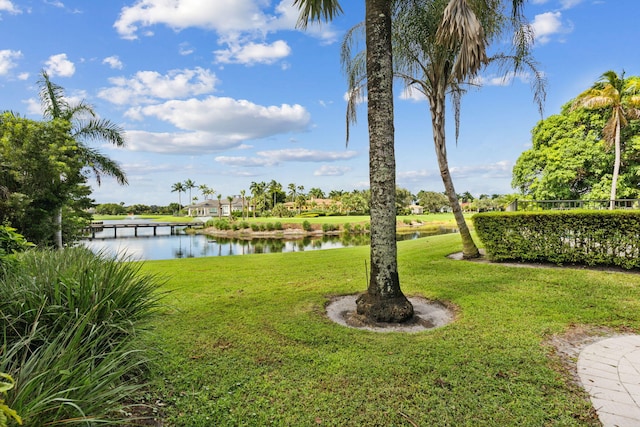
438,219
246,343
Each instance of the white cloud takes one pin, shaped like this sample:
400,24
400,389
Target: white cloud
305,155
326,170
244,161
546,25
59,65
498,169
113,62
178,143
8,6
502,80
275,157
214,124
252,53
568,4
7,60
238,118
147,86
242,25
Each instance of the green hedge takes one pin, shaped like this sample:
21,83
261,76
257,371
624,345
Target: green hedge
581,237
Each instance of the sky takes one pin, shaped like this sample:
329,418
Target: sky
230,92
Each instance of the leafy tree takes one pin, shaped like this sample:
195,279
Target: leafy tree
85,127
110,209
432,201
41,172
622,97
567,160
404,198
384,300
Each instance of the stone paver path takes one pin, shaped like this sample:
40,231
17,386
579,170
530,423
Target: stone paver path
610,372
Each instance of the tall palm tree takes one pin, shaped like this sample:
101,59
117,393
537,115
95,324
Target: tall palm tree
179,188
190,185
439,46
274,188
292,191
242,195
622,97
85,127
219,206
230,200
384,300
258,192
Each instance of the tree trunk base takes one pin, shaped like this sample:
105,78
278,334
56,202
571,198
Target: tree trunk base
385,310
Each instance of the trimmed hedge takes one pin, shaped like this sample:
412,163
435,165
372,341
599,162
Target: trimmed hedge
577,237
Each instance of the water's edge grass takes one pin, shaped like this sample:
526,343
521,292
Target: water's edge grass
246,341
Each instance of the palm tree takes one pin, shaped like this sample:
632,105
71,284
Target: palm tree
439,46
274,188
189,185
178,187
85,126
316,193
384,300
219,206
258,192
230,200
242,195
622,97
206,191
292,191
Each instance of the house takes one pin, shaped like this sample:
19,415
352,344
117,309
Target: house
216,208
416,209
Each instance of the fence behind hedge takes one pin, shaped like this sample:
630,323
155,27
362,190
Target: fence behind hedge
583,237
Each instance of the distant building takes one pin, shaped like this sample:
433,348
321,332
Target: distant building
416,209
211,207
314,204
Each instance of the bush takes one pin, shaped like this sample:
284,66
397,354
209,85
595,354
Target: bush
255,227
11,243
278,226
72,321
347,227
329,227
270,226
222,224
306,226
583,237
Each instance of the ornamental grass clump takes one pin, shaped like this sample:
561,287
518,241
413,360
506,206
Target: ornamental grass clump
70,330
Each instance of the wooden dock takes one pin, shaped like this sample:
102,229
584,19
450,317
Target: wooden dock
95,227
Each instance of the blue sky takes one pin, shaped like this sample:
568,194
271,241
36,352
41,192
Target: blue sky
226,92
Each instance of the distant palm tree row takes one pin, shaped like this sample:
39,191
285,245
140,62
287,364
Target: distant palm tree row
271,196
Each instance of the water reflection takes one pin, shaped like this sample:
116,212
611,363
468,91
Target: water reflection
164,245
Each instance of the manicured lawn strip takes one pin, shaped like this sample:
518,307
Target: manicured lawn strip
430,219
245,341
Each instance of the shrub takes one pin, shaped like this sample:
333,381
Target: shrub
255,227
329,227
270,226
278,226
346,227
306,226
6,413
222,224
72,321
583,237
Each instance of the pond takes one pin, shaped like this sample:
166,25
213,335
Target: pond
164,245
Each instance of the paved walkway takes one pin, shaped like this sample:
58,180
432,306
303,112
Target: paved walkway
610,372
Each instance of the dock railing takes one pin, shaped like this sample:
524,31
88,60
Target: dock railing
541,205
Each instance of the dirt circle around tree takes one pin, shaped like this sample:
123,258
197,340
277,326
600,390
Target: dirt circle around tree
427,315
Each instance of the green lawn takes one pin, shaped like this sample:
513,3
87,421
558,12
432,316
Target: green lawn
245,342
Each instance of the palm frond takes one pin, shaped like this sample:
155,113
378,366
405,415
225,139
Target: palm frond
103,165
52,97
460,30
316,10
101,129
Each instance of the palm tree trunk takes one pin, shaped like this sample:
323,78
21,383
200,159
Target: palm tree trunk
58,236
384,300
437,106
616,168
